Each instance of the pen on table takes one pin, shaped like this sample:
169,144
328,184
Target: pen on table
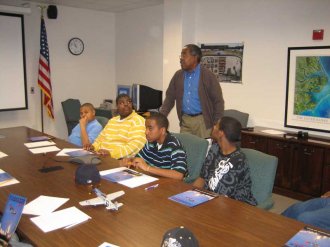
151,187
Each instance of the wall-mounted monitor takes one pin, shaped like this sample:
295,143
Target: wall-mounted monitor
146,98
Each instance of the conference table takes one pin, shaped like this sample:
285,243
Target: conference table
145,215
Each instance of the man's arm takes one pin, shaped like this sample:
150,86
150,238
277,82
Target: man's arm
327,194
199,183
83,132
94,132
140,163
169,98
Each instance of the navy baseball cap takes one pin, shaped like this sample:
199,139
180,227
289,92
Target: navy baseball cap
87,174
179,237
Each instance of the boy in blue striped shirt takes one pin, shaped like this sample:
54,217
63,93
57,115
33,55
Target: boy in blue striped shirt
163,154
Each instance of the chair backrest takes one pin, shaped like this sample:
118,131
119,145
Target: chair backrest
263,170
102,120
242,117
71,110
195,148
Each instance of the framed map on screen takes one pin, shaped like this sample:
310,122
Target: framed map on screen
308,88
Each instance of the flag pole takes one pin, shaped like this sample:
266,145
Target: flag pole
42,112
41,93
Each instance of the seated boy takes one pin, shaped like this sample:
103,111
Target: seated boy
315,212
124,135
225,170
88,128
163,154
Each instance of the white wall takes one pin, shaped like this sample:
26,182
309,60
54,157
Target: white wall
267,29
88,77
139,45
148,43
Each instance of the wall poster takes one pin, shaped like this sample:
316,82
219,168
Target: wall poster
224,60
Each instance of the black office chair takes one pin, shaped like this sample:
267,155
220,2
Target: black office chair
71,110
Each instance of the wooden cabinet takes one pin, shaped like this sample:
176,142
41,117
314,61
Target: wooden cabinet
303,165
326,173
308,170
254,142
285,152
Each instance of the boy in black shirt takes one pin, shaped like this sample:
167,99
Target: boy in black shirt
225,170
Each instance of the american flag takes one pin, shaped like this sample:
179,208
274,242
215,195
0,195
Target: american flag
44,71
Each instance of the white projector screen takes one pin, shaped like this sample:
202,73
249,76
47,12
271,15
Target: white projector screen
13,93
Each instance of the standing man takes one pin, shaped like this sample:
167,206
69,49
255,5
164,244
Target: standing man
197,94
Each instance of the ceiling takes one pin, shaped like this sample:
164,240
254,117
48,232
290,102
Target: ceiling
101,5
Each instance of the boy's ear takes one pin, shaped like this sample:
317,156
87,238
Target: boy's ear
163,130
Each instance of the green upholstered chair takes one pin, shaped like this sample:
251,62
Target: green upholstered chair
71,110
242,117
102,120
195,148
263,170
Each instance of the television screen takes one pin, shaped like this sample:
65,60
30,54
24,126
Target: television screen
146,98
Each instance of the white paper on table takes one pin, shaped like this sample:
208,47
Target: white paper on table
8,182
273,132
106,244
60,219
3,154
44,149
39,144
44,205
64,151
132,182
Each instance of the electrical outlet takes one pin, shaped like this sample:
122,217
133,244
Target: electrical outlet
32,90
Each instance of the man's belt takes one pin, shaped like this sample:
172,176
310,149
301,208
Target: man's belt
193,115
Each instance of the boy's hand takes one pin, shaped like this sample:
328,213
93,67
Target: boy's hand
140,163
126,162
103,152
88,147
83,121
327,194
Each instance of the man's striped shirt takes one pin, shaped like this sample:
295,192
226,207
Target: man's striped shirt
170,156
122,137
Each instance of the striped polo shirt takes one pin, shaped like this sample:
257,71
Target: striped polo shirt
122,137
169,156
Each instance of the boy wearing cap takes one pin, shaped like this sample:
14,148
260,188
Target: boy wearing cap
88,128
225,170
163,154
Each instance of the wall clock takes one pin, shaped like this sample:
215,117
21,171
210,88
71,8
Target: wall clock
76,46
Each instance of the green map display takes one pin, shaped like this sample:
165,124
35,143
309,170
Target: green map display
312,87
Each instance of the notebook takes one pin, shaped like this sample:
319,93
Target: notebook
78,153
309,237
121,175
194,197
39,138
11,216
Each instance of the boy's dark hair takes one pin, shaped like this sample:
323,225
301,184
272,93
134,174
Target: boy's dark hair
123,95
194,50
89,105
231,127
161,120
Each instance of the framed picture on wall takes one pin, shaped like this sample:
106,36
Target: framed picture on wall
124,89
225,60
308,88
